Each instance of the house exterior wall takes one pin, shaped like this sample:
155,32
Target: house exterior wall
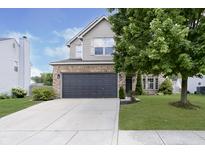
102,29
193,83
9,56
24,64
59,69
73,47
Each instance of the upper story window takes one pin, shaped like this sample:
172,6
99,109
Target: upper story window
15,66
103,46
79,51
14,46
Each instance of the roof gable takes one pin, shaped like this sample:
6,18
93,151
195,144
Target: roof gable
87,29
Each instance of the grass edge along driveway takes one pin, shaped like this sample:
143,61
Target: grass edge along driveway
8,106
155,113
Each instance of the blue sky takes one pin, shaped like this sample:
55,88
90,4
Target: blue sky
47,29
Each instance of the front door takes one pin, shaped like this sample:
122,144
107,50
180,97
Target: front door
128,85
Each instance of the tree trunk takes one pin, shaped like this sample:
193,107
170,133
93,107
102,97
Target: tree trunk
184,91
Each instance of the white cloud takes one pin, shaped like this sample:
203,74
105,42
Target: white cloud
59,52
68,33
35,71
17,35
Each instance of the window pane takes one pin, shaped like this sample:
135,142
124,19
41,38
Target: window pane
150,83
98,42
109,42
98,51
156,83
144,83
109,50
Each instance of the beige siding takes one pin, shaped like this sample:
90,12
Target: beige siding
102,29
73,46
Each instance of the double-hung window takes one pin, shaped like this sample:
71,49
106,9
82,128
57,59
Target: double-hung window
150,82
103,46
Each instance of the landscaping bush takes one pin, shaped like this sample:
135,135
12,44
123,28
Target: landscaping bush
4,96
18,93
166,87
139,90
43,94
122,93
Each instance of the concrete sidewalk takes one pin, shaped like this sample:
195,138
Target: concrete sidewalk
161,137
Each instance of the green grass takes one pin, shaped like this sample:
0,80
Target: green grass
155,113
8,106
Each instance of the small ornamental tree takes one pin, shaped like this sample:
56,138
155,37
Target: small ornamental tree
138,89
160,41
122,93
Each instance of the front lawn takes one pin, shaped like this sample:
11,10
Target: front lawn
155,113
8,106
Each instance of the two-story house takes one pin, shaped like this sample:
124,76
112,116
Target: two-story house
89,71
14,64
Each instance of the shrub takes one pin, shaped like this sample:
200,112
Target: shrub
166,87
18,93
144,93
138,89
160,94
122,93
4,96
43,94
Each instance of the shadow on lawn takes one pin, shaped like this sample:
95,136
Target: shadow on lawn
188,106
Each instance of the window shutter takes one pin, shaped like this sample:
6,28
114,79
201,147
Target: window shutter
92,52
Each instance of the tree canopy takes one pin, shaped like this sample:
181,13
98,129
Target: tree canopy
160,41
45,78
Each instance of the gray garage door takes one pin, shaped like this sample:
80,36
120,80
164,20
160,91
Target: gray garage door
89,85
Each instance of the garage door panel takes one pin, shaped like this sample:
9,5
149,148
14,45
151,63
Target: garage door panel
87,85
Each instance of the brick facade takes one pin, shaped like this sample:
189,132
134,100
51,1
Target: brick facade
106,68
58,69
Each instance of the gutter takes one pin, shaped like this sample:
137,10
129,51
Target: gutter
83,63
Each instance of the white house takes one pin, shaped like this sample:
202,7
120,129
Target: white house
193,83
14,64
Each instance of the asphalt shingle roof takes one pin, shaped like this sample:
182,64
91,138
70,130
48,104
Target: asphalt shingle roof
3,39
80,60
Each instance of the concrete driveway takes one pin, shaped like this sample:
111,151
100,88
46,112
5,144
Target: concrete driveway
63,121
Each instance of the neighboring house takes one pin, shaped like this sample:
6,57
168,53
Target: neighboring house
195,84
14,64
89,72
